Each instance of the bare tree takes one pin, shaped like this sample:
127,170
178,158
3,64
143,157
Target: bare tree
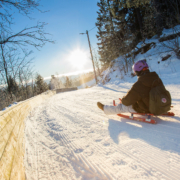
12,44
11,62
25,7
15,61
34,36
26,75
174,43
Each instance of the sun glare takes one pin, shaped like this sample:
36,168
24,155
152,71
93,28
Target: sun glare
78,58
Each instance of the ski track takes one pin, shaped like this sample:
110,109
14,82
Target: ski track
68,137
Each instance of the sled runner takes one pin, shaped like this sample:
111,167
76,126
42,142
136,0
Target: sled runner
146,120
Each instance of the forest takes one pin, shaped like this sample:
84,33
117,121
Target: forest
122,24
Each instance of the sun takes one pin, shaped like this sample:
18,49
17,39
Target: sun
78,58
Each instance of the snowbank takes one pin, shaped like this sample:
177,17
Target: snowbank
12,137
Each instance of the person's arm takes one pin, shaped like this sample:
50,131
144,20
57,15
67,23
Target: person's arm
133,95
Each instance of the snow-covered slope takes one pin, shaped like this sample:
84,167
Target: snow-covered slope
68,137
168,70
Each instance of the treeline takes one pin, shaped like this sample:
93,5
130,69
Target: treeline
122,24
68,82
15,92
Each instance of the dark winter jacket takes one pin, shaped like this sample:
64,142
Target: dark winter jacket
138,95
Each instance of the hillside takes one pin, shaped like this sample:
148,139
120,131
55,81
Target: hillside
160,58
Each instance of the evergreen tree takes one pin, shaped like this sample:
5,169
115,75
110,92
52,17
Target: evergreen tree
12,87
41,86
122,24
166,14
102,33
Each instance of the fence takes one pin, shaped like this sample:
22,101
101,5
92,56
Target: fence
12,137
65,89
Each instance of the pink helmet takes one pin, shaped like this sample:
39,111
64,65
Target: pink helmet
140,65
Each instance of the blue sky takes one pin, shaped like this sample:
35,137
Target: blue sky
66,19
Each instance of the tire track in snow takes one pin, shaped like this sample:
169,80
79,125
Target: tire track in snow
63,109
74,148
34,137
70,114
146,162
71,145
153,160
161,159
160,154
98,171
139,159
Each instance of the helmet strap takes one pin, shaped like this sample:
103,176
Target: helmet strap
142,72
144,69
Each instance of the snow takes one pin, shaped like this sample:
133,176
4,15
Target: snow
166,32
68,137
88,84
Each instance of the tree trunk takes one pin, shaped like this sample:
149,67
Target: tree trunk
139,19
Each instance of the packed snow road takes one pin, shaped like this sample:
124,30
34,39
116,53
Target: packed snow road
68,137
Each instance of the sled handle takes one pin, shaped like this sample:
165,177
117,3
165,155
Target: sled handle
114,103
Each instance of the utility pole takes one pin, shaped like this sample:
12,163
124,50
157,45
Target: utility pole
91,55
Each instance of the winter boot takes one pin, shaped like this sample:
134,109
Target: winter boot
100,105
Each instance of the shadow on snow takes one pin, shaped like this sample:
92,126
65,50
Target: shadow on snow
165,135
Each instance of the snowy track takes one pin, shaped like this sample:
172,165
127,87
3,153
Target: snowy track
68,137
